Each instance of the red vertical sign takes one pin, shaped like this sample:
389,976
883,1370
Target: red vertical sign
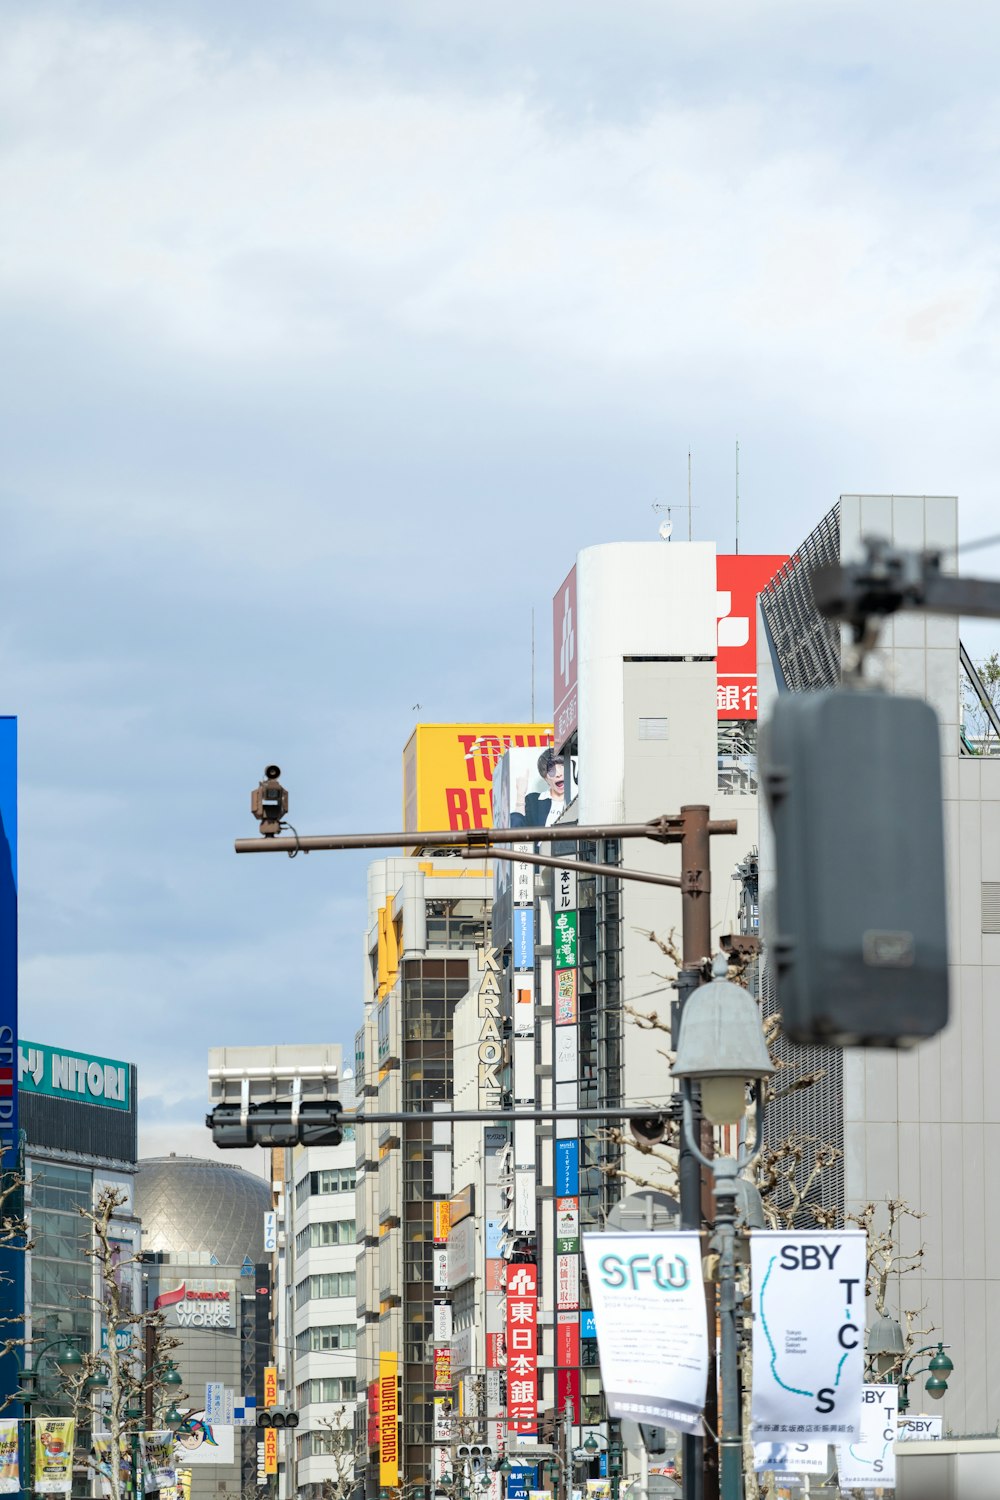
522,1349
739,579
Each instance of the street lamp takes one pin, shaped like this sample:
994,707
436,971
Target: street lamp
885,1344
939,1367
591,1444
722,1048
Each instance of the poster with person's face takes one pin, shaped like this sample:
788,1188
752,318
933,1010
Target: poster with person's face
202,1442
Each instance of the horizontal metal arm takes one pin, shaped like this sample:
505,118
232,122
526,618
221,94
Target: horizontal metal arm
560,862
668,828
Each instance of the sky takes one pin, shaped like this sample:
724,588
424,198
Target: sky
330,332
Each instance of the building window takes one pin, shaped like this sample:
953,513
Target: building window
61,1272
328,1284
330,1388
327,1336
329,1180
326,1232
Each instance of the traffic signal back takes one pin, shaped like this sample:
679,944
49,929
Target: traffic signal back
858,937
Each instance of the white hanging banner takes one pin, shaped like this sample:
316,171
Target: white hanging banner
652,1332
808,1334
871,1462
790,1458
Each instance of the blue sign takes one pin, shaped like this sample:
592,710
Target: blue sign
11,1257
520,1481
494,1232
588,1328
567,1169
603,1464
524,937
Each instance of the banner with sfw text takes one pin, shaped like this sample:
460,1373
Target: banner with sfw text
808,1293
652,1333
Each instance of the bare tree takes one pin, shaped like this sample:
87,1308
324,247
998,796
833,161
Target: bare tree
977,723
132,1384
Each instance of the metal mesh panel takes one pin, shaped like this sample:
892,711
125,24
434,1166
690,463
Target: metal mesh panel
808,652
815,1113
806,645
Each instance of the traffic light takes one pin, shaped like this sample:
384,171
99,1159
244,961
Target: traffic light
316,1122
857,938
277,1416
478,1456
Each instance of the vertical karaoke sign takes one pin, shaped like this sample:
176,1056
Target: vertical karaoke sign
12,1257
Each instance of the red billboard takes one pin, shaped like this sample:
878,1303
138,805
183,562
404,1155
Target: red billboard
739,579
522,1349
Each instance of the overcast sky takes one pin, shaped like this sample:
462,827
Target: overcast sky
332,331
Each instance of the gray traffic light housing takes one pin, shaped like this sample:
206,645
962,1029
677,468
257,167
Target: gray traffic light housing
858,936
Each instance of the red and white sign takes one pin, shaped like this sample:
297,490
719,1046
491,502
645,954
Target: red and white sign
495,1359
522,1349
739,579
567,1282
565,654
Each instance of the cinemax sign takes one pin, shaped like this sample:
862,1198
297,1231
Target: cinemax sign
198,1304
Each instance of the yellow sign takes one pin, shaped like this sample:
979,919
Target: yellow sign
442,1221
388,1415
54,1438
448,772
270,1450
270,1385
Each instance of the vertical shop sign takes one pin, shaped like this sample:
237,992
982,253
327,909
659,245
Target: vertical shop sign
388,1419
522,1349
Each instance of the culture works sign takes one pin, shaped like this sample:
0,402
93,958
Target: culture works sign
652,1333
808,1335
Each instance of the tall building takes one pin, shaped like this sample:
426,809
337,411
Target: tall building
427,920
317,1329
922,1125
654,708
304,1337
203,1239
427,951
78,1117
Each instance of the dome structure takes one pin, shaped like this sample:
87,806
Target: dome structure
189,1206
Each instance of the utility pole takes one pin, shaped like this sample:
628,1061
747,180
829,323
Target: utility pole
693,829
700,1478
568,1445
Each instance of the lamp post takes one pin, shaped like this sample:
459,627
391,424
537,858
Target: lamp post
938,1368
886,1348
722,1048
68,1360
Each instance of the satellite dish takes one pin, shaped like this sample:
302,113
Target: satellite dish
666,527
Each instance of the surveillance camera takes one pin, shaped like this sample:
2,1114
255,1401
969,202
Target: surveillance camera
647,1129
269,802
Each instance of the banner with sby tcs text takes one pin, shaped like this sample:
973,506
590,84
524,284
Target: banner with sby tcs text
871,1463
652,1333
808,1294
54,1437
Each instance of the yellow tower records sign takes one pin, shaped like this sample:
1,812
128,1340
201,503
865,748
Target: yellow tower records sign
388,1420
